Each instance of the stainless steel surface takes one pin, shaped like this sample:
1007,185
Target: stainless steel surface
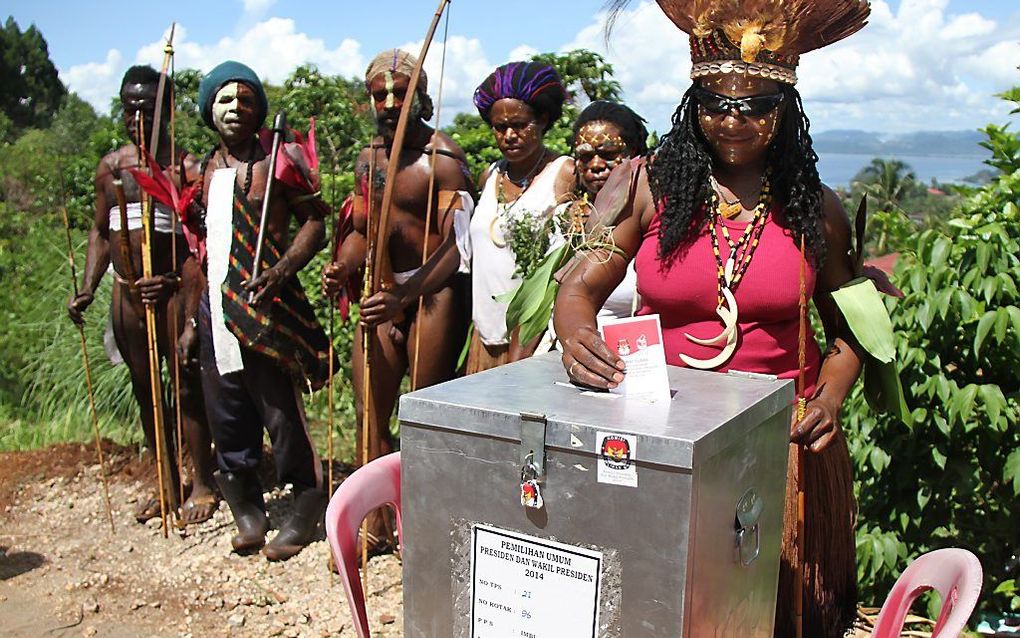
679,568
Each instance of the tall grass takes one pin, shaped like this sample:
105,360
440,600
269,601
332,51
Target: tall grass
43,393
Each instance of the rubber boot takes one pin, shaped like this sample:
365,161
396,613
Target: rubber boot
243,494
298,530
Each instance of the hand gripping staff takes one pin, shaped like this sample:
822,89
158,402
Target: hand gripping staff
279,130
85,361
378,248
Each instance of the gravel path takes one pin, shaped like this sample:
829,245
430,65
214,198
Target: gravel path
63,573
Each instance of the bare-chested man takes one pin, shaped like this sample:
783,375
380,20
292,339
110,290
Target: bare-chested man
110,241
260,344
393,313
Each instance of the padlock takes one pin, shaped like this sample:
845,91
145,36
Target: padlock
531,492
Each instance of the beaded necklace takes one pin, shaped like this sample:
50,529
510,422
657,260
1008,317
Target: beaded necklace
732,270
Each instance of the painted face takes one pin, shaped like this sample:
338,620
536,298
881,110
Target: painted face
517,128
234,112
738,134
388,91
598,149
138,99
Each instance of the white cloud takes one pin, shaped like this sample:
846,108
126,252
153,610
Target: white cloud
96,82
522,52
920,67
466,66
257,7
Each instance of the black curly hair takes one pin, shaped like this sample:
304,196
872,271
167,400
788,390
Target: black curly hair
681,167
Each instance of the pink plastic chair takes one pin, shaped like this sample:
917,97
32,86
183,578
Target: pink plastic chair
954,573
370,487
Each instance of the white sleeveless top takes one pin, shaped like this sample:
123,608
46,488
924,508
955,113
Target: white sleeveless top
492,265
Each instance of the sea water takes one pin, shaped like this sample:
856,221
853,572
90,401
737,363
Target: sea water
839,169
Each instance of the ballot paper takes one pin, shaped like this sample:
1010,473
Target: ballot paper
638,341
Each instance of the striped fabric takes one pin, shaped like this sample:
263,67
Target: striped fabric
287,330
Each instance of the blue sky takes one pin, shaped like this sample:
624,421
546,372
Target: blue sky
921,64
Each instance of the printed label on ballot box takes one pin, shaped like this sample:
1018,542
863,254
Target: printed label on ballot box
528,587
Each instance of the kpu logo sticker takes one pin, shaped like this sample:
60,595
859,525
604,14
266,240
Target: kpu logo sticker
616,453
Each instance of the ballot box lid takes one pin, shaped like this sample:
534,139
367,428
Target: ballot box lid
708,410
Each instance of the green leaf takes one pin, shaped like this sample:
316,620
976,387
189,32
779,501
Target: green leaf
942,301
1001,324
865,313
984,326
993,400
1007,587
989,287
1011,471
1014,316
939,458
984,253
939,252
965,401
879,459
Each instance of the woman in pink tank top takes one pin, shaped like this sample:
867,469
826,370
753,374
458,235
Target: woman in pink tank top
719,216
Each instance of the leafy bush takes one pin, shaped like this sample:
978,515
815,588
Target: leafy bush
952,478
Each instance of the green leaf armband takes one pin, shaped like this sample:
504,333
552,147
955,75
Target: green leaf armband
866,315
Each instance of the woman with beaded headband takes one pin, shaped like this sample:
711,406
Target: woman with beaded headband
513,224
719,217
606,134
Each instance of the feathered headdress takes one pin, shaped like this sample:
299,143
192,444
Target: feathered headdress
760,37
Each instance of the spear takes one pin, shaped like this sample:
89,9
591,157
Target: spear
88,368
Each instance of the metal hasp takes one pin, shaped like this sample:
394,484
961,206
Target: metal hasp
533,443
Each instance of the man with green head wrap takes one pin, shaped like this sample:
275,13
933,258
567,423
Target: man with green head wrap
259,340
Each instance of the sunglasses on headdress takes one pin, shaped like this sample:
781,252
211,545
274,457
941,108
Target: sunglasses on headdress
752,105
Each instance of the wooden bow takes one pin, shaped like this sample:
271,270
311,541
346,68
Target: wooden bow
379,252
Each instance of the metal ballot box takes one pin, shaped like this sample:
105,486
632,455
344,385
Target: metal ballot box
656,519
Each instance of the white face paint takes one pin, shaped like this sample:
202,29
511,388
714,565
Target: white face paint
390,98
224,109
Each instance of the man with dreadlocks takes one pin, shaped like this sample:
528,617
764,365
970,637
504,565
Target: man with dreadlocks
116,238
728,197
259,341
431,208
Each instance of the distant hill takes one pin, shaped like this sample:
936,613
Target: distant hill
940,143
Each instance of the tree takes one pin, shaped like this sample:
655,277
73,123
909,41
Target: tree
343,122
30,89
887,183
951,478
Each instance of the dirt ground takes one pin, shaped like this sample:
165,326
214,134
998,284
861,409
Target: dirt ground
64,573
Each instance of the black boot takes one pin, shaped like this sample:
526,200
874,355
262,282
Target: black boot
243,494
299,529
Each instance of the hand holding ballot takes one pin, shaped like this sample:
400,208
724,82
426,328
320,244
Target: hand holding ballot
627,358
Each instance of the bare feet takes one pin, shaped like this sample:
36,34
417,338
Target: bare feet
148,510
200,506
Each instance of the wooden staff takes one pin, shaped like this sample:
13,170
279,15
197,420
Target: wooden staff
429,209
88,374
163,474
279,129
801,409
366,355
174,223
